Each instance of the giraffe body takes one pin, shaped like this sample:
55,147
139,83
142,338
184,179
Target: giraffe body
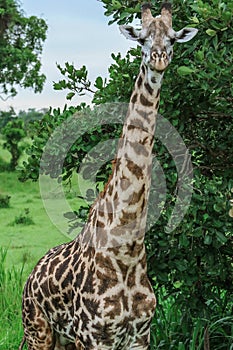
98,306
93,293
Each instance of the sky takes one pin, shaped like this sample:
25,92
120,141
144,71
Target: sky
78,33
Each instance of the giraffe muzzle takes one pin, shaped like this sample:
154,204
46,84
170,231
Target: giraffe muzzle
158,60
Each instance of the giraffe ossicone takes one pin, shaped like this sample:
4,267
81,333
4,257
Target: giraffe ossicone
80,296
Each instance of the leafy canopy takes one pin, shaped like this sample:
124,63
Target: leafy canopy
21,40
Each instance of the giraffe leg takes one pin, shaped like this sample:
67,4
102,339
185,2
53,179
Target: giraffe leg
22,343
61,345
37,331
40,339
142,341
78,345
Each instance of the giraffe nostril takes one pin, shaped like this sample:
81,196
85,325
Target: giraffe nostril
164,55
155,55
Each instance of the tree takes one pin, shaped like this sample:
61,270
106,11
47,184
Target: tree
14,132
5,117
21,40
31,115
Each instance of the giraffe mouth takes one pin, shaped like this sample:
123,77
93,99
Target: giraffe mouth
158,66
158,60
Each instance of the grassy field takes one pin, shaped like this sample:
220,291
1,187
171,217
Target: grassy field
21,247
26,234
25,242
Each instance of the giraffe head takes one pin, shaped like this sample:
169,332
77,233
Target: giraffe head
157,37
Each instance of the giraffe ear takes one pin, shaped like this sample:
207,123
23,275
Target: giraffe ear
185,34
130,32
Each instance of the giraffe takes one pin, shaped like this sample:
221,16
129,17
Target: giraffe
93,293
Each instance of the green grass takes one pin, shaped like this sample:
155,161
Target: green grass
26,234
11,284
171,331
25,244
23,241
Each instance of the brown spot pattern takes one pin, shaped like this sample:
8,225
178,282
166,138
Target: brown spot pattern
145,102
135,169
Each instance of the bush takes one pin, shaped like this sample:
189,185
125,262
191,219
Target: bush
23,218
4,201
14,132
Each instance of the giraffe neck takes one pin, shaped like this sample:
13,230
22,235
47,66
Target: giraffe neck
118,217
146,93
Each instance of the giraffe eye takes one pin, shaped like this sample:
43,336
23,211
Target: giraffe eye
172,41
142,41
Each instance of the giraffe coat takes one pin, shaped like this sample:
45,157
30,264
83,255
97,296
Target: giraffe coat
93,293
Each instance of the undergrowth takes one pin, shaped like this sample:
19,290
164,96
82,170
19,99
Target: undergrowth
11,285
171,331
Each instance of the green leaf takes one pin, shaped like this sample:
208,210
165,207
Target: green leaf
177,284
116,5
200,55
211,32
70,95
217,208
57,86
183,70
69,67
206,216
181,265
220,237
99,83
208,240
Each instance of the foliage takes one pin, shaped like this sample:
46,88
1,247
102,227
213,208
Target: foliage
122,72
5,117
31,115
171,330
14,132
4,201
26,116
42,131
193,263
76,80
10,299
23,218
21,40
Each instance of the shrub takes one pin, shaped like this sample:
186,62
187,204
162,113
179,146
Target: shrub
4,201
14,132
23,218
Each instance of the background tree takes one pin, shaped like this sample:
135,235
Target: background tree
21,40
14,132
190,267
6,116
31,115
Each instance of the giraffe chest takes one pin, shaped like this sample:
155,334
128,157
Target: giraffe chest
117,315
119,320
110,321
86,299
